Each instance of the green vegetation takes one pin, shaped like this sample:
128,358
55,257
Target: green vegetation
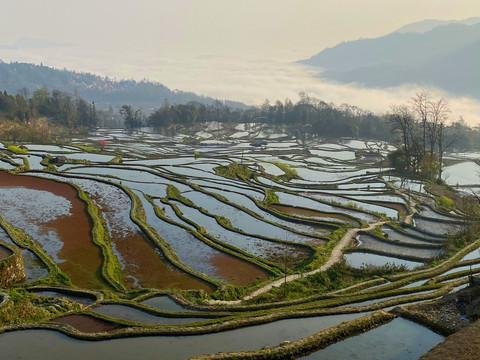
290,173
47,164
20,309
174,194
111,269
338,276
323,253
444,203
86,148
116,160
26,164
17,150
270,197
235,170
24,241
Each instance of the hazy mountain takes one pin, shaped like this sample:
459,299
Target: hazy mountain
104,91
447,57
430,24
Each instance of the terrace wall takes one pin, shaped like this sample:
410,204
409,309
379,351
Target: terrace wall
11,268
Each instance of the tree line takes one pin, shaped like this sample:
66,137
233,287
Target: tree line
62,108
420,127
308,115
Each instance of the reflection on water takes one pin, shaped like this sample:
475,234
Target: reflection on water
164,303
400,339
45,344
359,259
132,314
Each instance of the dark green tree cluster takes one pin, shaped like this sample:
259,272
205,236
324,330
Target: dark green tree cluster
132,118
59,107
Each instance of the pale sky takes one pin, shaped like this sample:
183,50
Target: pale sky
290,28
240,50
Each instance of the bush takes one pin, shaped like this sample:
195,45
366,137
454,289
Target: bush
445,203
270,197
17,150
235,171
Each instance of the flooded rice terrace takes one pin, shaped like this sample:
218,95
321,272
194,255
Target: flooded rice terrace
154,224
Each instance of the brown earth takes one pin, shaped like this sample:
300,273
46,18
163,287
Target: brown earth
236,271
149,267
85,323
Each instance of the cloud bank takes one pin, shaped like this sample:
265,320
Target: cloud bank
246,79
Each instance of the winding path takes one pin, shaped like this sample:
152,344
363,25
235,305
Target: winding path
335,256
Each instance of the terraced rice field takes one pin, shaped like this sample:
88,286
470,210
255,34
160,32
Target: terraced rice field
155,236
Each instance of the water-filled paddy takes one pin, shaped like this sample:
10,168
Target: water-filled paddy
242,220
45,344
268,250
164,303
129,313
331,174
84,300
359,259
85,323
204,259
57,219
399,339
141,262
369,242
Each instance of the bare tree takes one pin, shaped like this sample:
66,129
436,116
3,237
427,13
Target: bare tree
420,106
403,121
438,115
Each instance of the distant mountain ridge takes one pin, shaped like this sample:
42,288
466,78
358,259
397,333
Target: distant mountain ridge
446,56
430,24
104,91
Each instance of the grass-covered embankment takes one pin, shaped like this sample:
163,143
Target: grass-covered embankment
111,268
305,346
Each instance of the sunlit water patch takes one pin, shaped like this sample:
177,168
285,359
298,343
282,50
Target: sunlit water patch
464,173
344,155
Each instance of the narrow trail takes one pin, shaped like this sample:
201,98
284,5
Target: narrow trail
335,256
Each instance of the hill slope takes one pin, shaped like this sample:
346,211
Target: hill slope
445,57
103,90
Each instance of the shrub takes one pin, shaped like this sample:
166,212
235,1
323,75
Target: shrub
17,150
445,203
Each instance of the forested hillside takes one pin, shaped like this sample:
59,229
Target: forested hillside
105,92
